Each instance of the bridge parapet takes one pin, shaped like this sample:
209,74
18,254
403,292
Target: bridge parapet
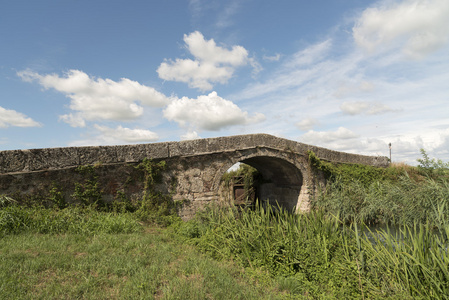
16,161
193,172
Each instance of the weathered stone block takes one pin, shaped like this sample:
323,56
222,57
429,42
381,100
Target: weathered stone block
52,158
97,155
14,161
136,153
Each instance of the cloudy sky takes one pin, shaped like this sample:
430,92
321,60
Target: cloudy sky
347,75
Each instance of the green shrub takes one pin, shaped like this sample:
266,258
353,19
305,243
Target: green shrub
432,166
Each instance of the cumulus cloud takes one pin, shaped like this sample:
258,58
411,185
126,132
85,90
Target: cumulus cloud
364,107
419,27
9,117
94,99
212,63
190,135
208,112
74,120
126,134
307,124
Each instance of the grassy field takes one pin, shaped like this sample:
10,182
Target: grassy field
152,264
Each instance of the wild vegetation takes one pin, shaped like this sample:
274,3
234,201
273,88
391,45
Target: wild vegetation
313,257
397,195
119,250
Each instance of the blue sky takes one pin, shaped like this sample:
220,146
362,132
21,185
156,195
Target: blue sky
347,75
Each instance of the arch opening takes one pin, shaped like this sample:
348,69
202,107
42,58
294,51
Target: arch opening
278,182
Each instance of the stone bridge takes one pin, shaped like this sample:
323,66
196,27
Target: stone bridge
193,172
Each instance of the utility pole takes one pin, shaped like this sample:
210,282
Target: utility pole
389,146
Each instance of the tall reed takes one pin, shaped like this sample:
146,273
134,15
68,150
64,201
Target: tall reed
316,256
306,250
403,201
414,262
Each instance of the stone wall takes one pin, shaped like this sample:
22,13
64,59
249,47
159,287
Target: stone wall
13,161
193,172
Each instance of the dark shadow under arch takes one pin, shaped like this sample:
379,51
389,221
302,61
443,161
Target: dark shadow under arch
282,181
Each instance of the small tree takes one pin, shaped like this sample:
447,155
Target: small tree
432,166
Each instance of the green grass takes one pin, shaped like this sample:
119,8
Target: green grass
16,219
149,265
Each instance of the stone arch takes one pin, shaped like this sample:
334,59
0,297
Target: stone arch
284,177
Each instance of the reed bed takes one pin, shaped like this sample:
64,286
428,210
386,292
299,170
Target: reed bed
316,256
405,201
305,253
414,262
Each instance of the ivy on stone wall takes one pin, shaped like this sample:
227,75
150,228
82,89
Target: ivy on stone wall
88,191
156,206
347,172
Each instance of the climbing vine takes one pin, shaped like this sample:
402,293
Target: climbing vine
250,177
347,172
156,206
88,192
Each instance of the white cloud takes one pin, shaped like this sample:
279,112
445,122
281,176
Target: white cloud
208,51
208,112
346,89
190,135
103,135
9,117
212,63
307,124
310,55
74,120
326,137
308,65
364,107
257,67
126,134
223,11
418,27
345,140
225,17
275,57
99,99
